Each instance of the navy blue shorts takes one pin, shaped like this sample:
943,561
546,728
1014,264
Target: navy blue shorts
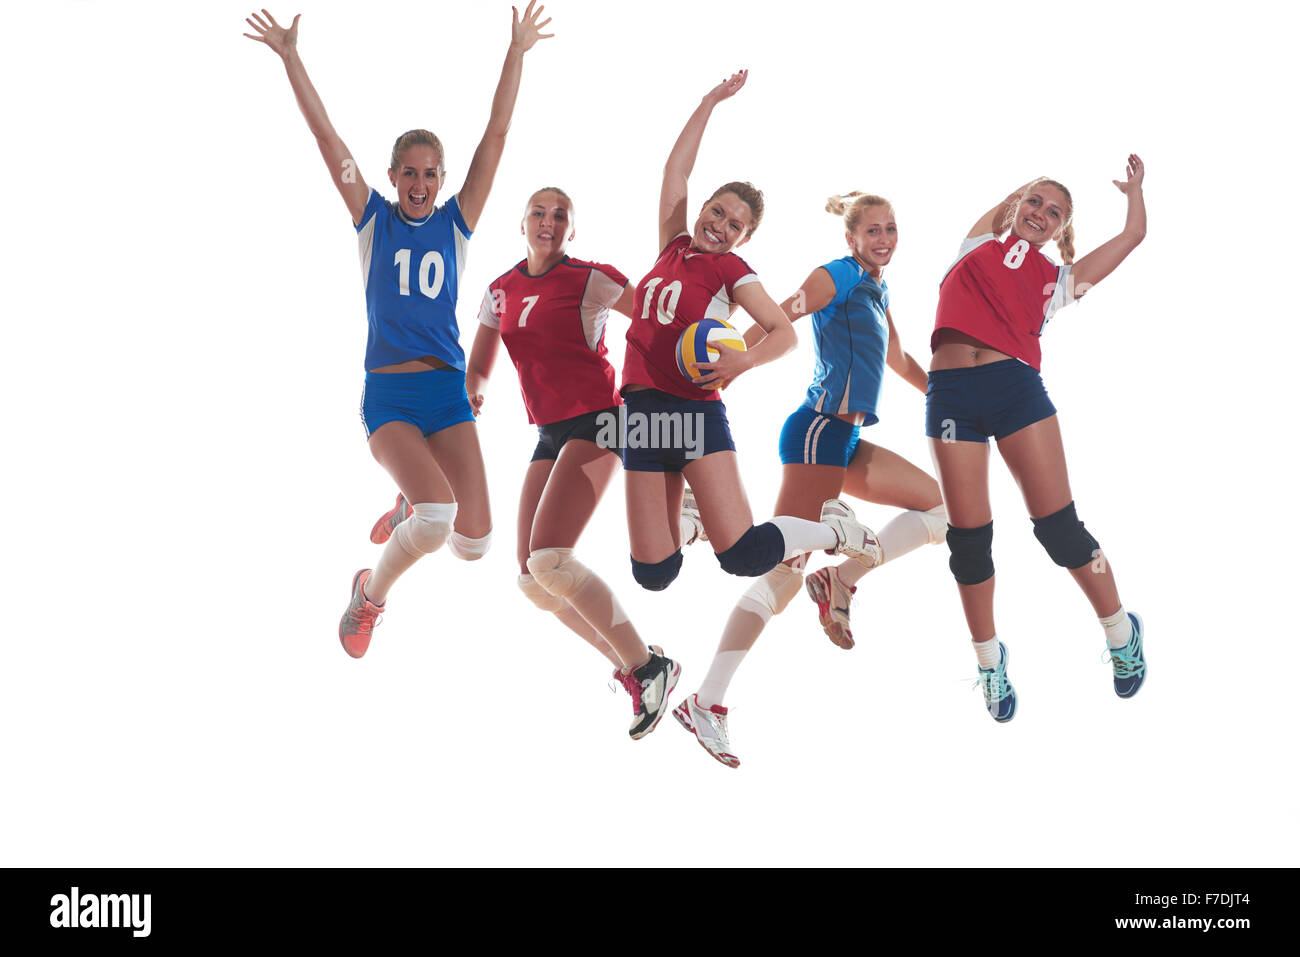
664,433
597,427
971,403
431,401
815,438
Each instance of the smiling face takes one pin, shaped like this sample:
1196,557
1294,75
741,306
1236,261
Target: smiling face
548,223
418,176
874,237
723,225
1042,213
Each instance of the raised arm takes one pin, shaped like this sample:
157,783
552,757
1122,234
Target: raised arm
995,220
672,194
343,169
483,167
1101,262
778,339
902,362
814,295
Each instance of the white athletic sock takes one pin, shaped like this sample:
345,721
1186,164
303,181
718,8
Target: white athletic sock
768,596
987,653
905,533
723,669
1119,630
802,535
397,558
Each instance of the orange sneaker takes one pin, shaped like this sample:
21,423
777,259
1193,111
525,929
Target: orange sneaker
383,529
359,620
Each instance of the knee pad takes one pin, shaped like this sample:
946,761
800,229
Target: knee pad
1065,538
936,523
469,549
538,595
426,528
759,551
971,560
557,571
770,594
656,576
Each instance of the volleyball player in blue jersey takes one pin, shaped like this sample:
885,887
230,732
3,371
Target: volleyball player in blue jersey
416,414
854,340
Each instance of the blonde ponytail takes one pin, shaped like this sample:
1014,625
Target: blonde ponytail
852,211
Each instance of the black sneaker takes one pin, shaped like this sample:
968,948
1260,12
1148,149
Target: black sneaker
650,685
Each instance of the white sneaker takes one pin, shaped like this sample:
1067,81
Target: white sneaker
832,597
691,512
709,725
853,538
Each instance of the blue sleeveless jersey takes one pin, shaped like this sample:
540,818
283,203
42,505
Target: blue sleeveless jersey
850,337
412,269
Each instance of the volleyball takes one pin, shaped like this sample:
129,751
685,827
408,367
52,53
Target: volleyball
701,342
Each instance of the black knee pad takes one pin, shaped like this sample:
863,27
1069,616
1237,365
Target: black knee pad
656,576
971,560
1065,538
759,550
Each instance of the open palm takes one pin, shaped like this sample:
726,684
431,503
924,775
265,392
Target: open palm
272,34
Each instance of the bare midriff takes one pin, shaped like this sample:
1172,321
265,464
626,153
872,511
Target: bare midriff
957,350
422,364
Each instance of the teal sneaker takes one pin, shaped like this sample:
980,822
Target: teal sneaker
1129,663
999,696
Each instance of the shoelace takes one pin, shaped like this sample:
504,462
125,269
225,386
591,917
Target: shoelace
1126,665
987,679
633,687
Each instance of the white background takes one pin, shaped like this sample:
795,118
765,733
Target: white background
188,493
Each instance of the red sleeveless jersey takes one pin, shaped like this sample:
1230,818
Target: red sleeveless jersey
1002,292
684,286
553,327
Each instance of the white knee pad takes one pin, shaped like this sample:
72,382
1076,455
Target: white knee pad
557,570
936,523
538,595
426,528
770,594
469,549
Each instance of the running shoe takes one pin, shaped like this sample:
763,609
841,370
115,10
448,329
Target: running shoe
383,529
999,696
852,537
709,725
691,512
832,597
1129,663
359,620
650,685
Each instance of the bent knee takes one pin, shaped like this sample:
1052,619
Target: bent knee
756,553
426,528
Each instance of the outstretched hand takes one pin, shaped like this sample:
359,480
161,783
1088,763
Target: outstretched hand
1135,171
728,87
272,34
527,31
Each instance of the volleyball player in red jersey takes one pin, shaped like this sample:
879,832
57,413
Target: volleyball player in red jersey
984,380
550,312
697,276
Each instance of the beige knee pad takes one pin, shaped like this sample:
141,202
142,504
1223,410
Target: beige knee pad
538,595
556,570
936,523
770,594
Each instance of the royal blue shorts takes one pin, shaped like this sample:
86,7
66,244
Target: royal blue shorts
975,402
591,426
431,401
814,438
664,433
